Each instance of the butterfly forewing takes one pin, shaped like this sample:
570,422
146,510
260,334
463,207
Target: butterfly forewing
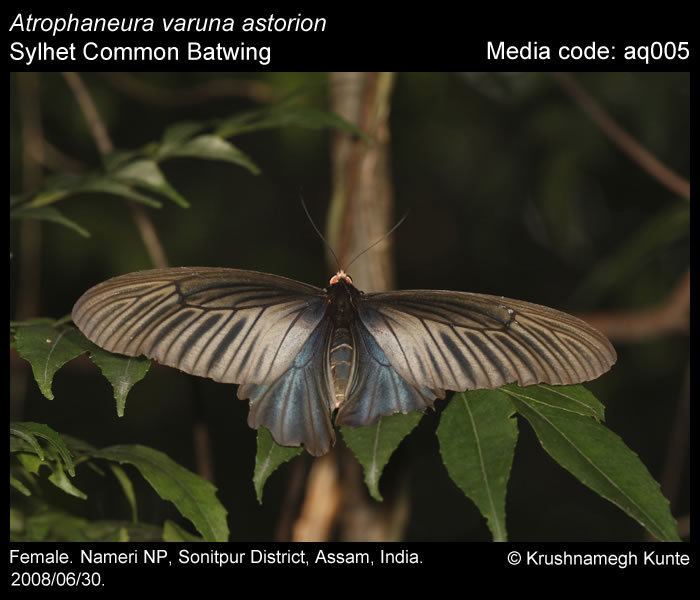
459,341
230,325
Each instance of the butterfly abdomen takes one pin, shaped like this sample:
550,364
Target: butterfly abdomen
341,358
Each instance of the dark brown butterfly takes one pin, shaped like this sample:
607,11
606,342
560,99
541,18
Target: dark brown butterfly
302,354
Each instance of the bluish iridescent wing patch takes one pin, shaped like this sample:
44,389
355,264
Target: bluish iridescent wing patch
295,406
378,389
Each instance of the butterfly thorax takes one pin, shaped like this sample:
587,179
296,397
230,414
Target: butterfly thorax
343,298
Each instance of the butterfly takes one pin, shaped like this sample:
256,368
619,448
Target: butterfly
307,358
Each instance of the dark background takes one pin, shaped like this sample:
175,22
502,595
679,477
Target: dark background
512,190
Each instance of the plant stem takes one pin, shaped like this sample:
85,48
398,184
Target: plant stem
360,213
149,235
104,144
623,140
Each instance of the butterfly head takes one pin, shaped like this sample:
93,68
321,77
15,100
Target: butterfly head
340,276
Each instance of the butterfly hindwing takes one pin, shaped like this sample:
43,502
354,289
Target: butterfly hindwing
294,407
378,389
459,341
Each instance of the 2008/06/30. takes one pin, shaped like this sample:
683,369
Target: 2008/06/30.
55,579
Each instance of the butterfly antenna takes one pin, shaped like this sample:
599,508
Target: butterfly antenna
306,210
381,239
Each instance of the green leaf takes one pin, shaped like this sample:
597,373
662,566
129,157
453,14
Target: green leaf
118,158
121,371
17,444
78,447
69,185
146,173
30,462
47,213
29,432
373,445
210,147
61,481
22,442
107,185
172,532
601,461
47,349
46,197
181,132
31,322
19,472
477,435
268,458
285,115
193,496
50,524
19,486
127,488
572,398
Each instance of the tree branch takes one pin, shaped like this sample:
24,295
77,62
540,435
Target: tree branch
56,160
623,140
668,317
92,116
361,205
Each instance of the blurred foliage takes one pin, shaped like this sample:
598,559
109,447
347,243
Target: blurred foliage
33,518
512,191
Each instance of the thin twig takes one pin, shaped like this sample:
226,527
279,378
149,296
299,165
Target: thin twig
623,140
95,124
668,317
105,146
56,160
149,235
98,130
148,93
202,450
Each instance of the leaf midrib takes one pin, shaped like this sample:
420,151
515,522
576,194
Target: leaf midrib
563,395
48,356
660,529
372,475
498,534
554,406
177,482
